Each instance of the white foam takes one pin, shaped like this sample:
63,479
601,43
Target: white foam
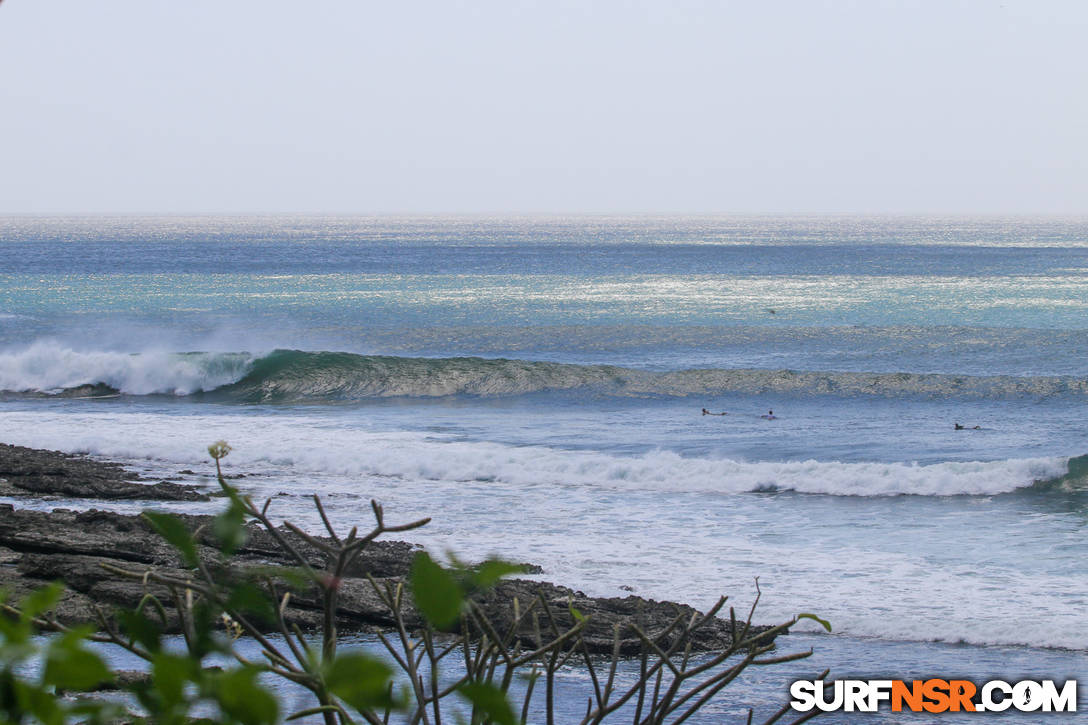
670,526
48,366
299,443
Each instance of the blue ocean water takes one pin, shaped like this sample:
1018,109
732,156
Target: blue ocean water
536,385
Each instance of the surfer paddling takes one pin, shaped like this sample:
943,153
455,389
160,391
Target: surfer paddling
707,412
769,416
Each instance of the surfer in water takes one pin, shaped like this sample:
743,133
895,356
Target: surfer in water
769,416
959,426
707,412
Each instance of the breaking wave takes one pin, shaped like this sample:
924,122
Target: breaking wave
297,376
52,369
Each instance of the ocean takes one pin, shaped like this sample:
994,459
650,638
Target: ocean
536,385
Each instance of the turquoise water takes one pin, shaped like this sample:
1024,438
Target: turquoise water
535,385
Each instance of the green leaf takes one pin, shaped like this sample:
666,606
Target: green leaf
240,696
489,700
577,615
291,575
170,528
489,572
251,601
69,666
436,592
41,704
140,629
229,528
41,600
807,615
360,680
96,713
89,712
207,623
170,673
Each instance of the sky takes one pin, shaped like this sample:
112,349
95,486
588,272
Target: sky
501,106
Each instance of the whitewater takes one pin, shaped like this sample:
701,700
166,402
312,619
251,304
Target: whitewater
536,385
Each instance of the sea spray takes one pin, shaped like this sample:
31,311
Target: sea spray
50,367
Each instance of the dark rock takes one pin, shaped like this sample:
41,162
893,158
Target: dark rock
29,471
385,559
123,680
605,616
76,548
89,390
93,533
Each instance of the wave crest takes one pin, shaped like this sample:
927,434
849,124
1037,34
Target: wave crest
289,375
298,376
50,368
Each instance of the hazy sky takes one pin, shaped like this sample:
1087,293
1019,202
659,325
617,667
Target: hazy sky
505,106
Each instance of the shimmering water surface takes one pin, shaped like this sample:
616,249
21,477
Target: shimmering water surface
535,385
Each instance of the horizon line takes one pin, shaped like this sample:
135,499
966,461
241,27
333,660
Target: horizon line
545,214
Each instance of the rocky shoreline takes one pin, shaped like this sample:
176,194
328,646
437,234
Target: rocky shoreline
30,472
37,547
